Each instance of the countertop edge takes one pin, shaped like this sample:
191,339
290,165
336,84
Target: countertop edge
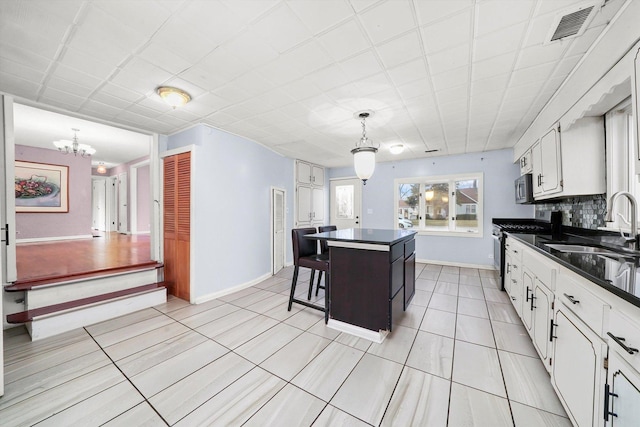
603,284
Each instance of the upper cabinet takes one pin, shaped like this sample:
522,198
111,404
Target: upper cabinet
310,195
635,88
526,165
308,173
570,163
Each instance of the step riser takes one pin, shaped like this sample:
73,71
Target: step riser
50,295
57,323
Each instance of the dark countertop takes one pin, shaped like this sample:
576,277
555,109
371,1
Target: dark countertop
365,235
618,274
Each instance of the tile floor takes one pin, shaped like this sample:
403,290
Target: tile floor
459,357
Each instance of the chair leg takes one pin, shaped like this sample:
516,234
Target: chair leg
327,296
319,280
313,275
293,287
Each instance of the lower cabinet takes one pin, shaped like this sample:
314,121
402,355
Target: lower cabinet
542,315
577,371
622,408
528,279
409,279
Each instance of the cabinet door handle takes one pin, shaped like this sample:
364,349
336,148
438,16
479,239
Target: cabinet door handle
532,298
619,341
551,336
527,300
571,299
608,393
508,268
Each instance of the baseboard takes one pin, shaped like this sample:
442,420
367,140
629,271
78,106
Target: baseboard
53,239
357,331
457,264
218,294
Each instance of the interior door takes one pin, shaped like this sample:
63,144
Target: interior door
346,203
123,224
98,194
278,217
7,208
177,224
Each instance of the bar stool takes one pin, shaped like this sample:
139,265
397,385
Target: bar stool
324,254
305,255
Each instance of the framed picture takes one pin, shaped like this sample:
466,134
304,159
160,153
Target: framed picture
41,187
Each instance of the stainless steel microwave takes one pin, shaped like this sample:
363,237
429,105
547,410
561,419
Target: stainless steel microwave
524,189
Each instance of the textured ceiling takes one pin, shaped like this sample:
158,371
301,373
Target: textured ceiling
454,75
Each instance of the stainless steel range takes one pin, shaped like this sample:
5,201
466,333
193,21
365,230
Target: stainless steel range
544,223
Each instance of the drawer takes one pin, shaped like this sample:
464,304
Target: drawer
627,332
574,294
409,248
542,267
396,251
515,249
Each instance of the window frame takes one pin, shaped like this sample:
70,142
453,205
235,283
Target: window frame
451,180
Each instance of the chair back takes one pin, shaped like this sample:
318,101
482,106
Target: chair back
303,247
324,248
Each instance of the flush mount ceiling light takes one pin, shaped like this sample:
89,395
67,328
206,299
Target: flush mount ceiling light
364,155
101,168
74,147
173,96
396,149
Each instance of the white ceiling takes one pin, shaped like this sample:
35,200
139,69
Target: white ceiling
454,75
39,128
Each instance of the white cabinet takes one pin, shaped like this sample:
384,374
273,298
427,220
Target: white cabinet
538,281
308,173
526,165
561,157
310,195
513,273
578,372
622,394
547,169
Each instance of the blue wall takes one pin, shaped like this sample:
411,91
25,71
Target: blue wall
499,173
231,196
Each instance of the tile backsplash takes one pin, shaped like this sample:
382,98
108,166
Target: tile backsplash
583,211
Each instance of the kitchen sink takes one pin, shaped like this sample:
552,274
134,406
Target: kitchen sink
582,249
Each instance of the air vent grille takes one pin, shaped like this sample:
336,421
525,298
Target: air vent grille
571,24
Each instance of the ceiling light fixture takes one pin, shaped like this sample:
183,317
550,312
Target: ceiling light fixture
364,155
101,168
74,147
396,149
173,96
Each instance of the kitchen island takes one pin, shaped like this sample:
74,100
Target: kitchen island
372,279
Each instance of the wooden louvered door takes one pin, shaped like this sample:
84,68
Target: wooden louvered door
177,224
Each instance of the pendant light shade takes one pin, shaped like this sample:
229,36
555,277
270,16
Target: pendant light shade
364,155
364,162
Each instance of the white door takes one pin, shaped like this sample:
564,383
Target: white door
123,225
346,203
112,203
7,208
278,218
99,205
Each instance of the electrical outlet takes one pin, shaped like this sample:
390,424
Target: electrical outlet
490,256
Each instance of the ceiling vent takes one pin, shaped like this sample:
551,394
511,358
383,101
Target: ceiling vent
571,23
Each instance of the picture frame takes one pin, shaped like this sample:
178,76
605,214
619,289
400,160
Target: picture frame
41,187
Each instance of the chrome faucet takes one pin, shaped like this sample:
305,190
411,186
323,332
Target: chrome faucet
633,237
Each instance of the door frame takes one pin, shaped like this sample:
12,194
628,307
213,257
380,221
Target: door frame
102,180
133,194
126,210
359,201
186,149
271,228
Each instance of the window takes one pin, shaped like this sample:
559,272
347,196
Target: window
446,205
620,155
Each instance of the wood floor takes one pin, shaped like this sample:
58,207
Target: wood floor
70,257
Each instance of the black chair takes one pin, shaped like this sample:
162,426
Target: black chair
305,254
324,254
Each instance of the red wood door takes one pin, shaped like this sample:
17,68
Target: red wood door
177,224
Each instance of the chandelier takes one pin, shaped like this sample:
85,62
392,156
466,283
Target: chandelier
364,155
66,147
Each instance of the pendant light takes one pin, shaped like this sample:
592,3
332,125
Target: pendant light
364,155
66,147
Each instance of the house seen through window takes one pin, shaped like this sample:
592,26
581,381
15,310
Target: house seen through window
440,205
